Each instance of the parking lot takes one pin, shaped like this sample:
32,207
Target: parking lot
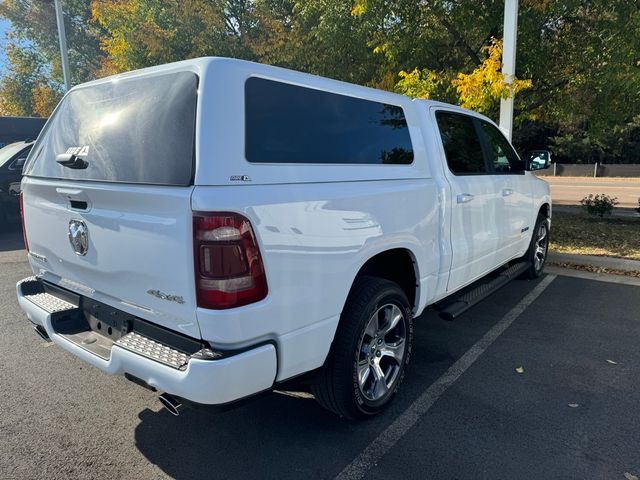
465,410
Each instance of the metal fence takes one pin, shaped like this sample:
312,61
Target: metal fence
595,170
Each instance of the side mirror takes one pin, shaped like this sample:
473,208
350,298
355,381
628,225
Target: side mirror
537,160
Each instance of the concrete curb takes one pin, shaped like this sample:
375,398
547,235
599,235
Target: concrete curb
591,260
600,277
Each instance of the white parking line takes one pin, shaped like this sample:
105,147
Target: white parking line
358,468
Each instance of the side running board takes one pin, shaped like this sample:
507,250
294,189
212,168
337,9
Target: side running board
464,302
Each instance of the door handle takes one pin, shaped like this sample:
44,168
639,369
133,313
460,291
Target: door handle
464,198
77,199
506,192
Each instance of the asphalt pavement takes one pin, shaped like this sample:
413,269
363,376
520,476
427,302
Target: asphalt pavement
573,412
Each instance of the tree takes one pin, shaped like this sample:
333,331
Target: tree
26,90
583,60
317,36
143,33
578,60
33,84
480,90
581,57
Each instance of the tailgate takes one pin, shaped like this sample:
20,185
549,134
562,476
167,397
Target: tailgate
107,196
139,254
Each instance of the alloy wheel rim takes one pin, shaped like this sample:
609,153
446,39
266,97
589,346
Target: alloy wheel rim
540,253
381,351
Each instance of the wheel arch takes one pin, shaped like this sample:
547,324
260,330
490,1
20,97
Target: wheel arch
545,209
398,265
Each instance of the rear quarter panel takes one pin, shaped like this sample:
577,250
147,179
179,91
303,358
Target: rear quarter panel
317,224
314,239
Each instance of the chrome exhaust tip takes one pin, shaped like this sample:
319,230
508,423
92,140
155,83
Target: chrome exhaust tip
42,332
172,404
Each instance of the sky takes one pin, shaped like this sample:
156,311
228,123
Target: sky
4,26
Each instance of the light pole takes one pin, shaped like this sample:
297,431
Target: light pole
509,63
62,37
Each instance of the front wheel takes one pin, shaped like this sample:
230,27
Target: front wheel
538,248
370,351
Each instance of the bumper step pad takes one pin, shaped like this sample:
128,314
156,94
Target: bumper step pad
51,304
34,291
146,347
70,322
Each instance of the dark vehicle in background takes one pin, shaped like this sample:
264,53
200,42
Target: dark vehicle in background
12,159
19,129
17,134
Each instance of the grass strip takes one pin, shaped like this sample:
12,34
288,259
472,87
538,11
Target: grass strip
584,235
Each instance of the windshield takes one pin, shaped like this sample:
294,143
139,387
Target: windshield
132,130
10,151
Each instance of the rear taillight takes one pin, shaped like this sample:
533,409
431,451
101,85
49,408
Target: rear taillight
24,230
228,266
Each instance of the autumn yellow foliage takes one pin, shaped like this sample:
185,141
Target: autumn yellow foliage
480,89
44,100
420,83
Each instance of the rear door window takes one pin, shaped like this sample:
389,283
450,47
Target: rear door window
461,143
132,130
291,124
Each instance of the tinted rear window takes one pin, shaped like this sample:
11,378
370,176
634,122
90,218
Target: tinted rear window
291,124
138,130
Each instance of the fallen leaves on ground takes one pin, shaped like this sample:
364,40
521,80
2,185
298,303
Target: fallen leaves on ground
593,269
610,236
520,369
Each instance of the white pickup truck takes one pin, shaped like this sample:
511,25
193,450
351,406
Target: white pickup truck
213,228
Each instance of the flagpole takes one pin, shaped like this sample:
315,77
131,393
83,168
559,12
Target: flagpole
509,63
62,37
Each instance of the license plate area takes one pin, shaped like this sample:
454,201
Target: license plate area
93,326
107,321
96,327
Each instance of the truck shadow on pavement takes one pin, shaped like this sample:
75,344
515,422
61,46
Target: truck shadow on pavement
279,436
275,436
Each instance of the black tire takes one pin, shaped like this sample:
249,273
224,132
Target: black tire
538,248
337,387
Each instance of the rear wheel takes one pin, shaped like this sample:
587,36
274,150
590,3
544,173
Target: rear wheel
371,349
538,248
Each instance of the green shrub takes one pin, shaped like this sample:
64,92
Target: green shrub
600,204
638,209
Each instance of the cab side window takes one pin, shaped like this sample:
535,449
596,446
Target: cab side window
501,154
288,123
461,143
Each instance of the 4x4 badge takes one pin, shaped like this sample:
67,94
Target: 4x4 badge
164,296
79,237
